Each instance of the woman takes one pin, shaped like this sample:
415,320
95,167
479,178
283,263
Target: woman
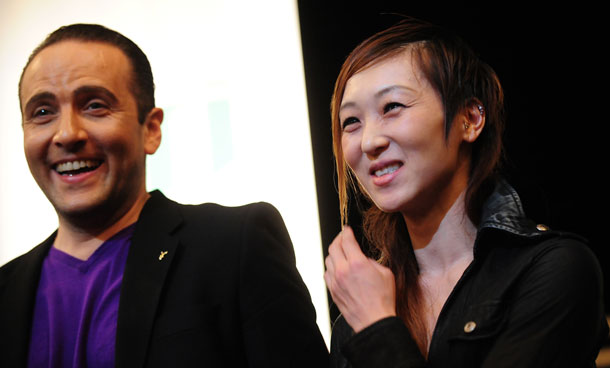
463,278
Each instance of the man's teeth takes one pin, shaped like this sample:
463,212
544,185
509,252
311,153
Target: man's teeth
76,165
387,170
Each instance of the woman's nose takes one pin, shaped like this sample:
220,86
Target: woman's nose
374,142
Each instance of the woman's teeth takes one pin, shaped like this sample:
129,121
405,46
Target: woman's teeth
387,170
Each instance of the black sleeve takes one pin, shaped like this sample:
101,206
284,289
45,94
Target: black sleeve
386,343
279,320
341,333
556,316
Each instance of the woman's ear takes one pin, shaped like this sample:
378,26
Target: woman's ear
473,120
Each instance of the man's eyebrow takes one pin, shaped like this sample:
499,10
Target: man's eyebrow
84,90
37,98
95,90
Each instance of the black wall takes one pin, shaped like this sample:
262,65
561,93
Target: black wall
550,63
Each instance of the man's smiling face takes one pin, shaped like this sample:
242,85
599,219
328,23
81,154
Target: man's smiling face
82,139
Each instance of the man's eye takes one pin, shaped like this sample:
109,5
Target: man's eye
391,106
42,111
95,106
41,115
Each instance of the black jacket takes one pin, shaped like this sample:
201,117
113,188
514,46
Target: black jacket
532,297
226,294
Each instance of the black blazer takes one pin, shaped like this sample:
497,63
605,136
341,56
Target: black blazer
226,294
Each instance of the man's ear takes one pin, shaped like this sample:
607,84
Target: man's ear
473,117
152,130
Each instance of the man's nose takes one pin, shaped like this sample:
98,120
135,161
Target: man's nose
374,141
70,134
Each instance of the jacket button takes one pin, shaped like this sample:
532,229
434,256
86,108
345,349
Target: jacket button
470,326
542,227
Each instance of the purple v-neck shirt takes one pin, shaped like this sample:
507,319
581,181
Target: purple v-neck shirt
77,302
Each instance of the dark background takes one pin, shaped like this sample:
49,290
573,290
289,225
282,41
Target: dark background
549,60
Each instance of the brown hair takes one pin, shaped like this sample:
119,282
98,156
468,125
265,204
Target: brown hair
142,85
460,78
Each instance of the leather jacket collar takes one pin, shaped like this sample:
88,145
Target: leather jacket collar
503,212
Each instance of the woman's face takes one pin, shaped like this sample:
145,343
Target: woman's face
393,138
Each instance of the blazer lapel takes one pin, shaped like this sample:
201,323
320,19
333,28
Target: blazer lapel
18,309
150,256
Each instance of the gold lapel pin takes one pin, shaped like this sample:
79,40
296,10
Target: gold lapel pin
163,253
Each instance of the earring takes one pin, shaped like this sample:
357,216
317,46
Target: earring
466,125
481,109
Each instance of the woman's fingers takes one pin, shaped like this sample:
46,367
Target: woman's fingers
335,256
350,245
362,289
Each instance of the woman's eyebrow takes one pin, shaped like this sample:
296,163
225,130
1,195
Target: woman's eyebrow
392,88
347,105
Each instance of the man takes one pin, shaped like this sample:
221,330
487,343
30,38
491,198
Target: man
131,278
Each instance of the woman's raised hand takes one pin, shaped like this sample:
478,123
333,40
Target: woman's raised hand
363,290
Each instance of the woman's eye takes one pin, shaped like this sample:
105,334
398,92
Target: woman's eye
391,106
349,121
